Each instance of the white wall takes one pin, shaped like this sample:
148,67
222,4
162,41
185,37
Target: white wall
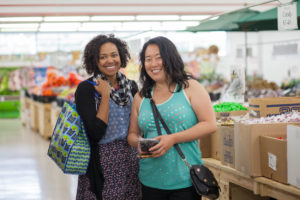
263,62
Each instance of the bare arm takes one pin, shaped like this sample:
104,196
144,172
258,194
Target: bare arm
203,109
134,130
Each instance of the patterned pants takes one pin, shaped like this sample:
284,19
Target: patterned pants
120,169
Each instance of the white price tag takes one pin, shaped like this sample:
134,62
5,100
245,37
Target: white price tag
287,17
272,161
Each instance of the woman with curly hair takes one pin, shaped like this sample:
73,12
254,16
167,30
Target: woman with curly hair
104,102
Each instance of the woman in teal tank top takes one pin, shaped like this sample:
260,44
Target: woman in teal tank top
187,110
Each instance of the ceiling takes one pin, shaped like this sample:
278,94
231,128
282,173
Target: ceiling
124,12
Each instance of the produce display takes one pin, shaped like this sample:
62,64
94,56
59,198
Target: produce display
55,82
228,106
286,117
7,87
53,85
213,83
291,87
259,88
66,95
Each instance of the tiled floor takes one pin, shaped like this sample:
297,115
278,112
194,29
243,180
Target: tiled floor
26,172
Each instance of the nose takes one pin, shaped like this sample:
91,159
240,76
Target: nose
110,59
153,63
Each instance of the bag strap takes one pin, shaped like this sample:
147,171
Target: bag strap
157,116
93,83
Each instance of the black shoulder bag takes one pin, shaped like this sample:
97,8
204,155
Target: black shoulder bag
203,179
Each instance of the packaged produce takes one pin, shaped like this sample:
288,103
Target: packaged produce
146,144
228,106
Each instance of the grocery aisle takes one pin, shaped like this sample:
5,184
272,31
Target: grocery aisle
26,172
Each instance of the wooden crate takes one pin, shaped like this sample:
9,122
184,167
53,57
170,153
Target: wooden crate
254,188
44,110
54,115
34,115
25,110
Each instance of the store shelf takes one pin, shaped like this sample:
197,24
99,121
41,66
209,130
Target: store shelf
9,98
258,185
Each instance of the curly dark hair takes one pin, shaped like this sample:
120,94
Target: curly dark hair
92,51
172,63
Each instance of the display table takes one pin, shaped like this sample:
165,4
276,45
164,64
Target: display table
259,185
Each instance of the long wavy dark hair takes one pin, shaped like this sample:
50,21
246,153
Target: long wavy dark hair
92,51
172,63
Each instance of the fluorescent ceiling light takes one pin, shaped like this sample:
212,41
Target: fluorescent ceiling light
112,18
19,25
138,26
60,24
21,19
56,27
174,26
18,29
65,29
104,26
157,17
193,17
67,19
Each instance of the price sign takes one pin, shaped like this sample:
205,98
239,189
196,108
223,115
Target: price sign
287,17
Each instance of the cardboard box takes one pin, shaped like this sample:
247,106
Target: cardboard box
34,115
55,110
247,147
210,145
205,146
25,110
227,146
44,110
273,158
264,107
293,157
230,113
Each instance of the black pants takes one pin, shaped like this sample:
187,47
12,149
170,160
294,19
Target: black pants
180,194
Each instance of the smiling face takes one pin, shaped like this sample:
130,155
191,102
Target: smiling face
109,60
154,63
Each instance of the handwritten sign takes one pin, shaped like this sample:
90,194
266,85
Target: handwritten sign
287,17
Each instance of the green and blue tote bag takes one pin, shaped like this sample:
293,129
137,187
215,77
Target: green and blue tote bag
69,146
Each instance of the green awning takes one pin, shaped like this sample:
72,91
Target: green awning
263,21
225,22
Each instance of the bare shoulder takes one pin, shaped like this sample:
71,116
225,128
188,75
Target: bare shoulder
137,97
137,101
194,87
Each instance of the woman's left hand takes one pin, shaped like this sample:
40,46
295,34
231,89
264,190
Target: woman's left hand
166,142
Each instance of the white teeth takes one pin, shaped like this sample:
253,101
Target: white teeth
112,67
156,70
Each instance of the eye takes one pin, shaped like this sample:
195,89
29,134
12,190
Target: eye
114,55
102,57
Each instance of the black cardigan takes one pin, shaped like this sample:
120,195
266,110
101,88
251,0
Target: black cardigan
95,128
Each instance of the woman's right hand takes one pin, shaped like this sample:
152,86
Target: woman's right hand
103,87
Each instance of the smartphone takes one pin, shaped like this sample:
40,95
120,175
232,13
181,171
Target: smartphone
146,144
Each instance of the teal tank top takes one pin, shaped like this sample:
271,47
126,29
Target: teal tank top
169,171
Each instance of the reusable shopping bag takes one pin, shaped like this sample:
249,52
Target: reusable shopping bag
69,146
